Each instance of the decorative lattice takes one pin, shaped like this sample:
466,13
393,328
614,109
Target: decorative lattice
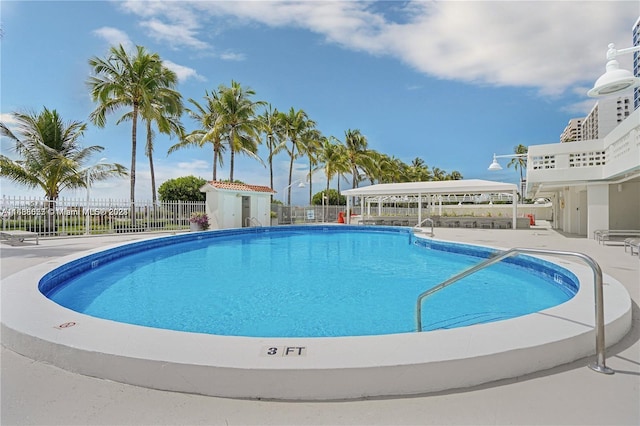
587,159
542,162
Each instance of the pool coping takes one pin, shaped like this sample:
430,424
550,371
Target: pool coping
327,368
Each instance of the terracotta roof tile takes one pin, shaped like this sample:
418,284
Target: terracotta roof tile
240,186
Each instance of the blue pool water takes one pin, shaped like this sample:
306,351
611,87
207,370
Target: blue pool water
302,282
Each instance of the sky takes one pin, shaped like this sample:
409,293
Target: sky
450,82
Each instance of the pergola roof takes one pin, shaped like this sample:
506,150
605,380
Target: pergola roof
464,186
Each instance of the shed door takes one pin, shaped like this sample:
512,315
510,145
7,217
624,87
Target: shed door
246,211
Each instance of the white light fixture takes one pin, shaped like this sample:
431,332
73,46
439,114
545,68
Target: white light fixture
614,80
495,166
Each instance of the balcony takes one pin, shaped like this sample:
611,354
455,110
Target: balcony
617,156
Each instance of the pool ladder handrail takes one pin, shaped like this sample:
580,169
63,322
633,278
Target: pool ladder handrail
251,221
428,219
599,365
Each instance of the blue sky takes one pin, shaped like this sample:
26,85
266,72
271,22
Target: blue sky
449,82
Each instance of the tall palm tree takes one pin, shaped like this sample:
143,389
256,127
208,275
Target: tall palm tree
51,156
123,81
356,144
519,162
310,144
237,114
164,107
269,126
293,124
333,159
210,131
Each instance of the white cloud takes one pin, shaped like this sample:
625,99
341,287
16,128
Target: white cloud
176,35
115,37
182,71
550,46
232,56
172,22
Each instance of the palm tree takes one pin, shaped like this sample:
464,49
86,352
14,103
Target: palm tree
454,175
51,156
519,162
269,126
237,114
310,144
333,159
293,125
123,81
356,144
438,174
210,131
419,171
164,107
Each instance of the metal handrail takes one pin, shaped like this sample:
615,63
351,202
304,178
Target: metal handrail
599,365
426,220
251,221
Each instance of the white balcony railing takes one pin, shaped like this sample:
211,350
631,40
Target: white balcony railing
604,159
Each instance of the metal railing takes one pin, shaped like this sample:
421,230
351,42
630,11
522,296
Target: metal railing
69,216
426,220
599,365
251,222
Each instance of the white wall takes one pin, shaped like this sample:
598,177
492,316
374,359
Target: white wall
225,208
626,199
598,208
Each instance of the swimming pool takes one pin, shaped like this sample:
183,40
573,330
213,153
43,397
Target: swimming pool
306,282
299,368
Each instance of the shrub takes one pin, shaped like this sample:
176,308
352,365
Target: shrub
186,188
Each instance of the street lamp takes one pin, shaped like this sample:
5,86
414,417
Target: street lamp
300,185
614,80
494,166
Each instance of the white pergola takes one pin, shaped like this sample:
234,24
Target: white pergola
422,190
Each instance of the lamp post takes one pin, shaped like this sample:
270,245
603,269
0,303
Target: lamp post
615,80
300,183
324,197
495,166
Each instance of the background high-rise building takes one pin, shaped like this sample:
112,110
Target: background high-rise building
635,31
573,131
606,114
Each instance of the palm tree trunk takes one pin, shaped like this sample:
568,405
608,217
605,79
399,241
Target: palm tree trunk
215,162
232,161
310,183
132,170
271,165
154,198
293,150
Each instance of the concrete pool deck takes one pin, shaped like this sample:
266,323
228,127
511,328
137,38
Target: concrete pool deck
35,393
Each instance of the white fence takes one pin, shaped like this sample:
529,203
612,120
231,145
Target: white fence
77,217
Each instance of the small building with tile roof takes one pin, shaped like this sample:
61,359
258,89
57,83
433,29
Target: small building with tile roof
237,205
